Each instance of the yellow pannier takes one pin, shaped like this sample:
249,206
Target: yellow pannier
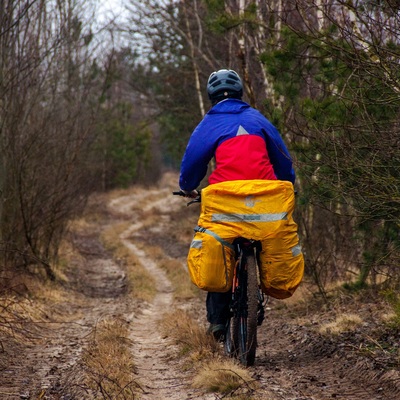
254,209
210,261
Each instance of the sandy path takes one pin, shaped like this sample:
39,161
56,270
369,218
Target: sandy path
153,360
158,367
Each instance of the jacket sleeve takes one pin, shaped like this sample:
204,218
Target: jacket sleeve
199,152
279,155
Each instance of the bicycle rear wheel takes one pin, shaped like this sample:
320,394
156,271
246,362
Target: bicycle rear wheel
230,343
247,324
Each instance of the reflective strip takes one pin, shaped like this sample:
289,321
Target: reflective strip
241,131
249,217
214,235
196,244
296,250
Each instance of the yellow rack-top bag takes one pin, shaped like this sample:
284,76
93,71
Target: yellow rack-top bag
255,209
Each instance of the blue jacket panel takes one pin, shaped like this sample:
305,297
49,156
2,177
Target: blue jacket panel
227,120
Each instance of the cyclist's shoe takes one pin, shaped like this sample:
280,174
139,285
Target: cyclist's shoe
218,331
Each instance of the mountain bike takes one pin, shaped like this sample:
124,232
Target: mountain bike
247,303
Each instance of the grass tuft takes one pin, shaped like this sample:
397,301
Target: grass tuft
343,323
393,298
108,363
223,376
212,373
189,335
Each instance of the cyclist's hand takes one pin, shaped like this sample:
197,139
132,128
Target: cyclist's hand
193,194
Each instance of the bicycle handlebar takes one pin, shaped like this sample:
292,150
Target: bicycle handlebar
183,194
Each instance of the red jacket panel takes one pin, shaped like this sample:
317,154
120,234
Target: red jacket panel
243,157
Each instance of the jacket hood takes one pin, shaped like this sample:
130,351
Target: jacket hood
229,106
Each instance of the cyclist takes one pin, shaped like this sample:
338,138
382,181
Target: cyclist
245,145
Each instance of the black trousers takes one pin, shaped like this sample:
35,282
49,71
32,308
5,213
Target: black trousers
217,305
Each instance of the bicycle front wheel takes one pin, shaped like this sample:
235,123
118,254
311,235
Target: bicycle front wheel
247,323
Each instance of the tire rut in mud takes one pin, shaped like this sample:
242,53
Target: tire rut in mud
97,275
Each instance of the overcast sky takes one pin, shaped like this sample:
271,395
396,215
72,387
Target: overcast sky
110,8
109,11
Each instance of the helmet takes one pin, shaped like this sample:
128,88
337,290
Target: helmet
223,84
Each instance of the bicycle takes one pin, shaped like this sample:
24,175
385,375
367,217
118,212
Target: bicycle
247,307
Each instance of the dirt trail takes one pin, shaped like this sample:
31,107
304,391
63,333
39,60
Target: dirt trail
155,358
294,361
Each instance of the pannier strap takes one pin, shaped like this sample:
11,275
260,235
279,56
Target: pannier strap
211,233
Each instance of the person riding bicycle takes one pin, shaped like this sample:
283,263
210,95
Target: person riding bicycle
246,146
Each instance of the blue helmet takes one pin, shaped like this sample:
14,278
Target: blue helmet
223,84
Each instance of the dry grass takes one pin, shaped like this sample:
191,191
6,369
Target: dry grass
212,371
183,287
16,316
189,335
141,284
111,235
343,323
117,193
108,364
26,302
176,272
224,376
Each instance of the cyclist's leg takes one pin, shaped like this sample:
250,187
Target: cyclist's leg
217,305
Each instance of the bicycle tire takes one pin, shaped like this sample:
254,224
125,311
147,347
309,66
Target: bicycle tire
231,342
248,321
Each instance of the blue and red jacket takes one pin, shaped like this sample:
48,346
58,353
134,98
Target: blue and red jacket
245,144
